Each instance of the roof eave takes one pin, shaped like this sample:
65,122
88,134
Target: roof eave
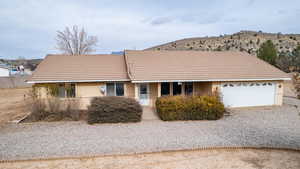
209,80
76,81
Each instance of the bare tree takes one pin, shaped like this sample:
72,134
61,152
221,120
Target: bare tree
75,41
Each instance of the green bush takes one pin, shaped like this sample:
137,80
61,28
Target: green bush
112,109
171,108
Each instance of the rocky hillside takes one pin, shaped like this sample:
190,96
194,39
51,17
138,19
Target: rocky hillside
248,41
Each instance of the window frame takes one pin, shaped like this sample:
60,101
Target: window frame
115,88
169,88
66,94
179,87
190,84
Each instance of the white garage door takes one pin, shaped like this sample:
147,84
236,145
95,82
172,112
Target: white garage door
248,94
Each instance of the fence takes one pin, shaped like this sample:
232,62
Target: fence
17,81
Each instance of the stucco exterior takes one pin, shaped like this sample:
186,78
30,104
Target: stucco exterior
86,91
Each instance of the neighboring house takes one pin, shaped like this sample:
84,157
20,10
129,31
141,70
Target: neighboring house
242,79
4,71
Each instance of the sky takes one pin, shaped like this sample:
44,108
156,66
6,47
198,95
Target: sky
28,27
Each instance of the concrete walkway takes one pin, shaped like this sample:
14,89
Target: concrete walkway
255,127
149,113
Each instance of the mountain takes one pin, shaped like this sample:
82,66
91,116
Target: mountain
248,41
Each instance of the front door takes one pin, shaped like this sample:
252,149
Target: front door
144,94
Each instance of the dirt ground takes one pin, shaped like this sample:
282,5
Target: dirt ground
208,159
13,104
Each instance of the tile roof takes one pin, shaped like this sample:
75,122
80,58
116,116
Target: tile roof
153,66
197,66
81,68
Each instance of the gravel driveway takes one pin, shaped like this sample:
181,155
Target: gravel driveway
258,127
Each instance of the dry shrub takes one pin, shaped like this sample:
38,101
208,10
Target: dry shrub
296,83
71,109
114,109
190,108
38,111
53,109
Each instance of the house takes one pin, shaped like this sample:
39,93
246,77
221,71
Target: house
4,71
242,79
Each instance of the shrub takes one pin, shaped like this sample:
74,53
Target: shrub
114,109
190,108
53,109
38,111
296,83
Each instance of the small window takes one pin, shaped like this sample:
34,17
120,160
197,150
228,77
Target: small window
188,88
110,89
114,89
270,84
231,85
71,90
176,88
119,89
225,85
66,90
61,90
165,89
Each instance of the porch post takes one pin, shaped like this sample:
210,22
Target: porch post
182,89
158,89
171,88
136,91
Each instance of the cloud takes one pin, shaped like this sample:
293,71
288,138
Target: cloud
28,28
161,20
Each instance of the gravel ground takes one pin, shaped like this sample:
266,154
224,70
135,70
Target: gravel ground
257,127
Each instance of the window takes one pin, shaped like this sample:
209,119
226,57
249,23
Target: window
188,88
66,90
110,89
176,88
61,90
119,89
165,89
71,90
114,89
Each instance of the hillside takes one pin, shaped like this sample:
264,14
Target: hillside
248,41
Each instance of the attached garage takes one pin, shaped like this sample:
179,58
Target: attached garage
243,94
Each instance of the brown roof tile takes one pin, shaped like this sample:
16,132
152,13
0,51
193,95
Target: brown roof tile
81,68
197,66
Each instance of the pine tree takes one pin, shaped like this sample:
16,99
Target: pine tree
267,52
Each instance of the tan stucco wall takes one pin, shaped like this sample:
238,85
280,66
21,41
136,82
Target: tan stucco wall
153,93
202,88
279,93
129,90
86,91
41,90
89,89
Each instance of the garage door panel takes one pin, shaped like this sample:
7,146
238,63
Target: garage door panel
248,94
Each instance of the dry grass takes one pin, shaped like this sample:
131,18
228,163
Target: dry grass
215,159
13,104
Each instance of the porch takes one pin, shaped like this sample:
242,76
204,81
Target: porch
146,93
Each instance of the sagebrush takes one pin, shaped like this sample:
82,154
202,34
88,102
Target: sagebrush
53,109
112,109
